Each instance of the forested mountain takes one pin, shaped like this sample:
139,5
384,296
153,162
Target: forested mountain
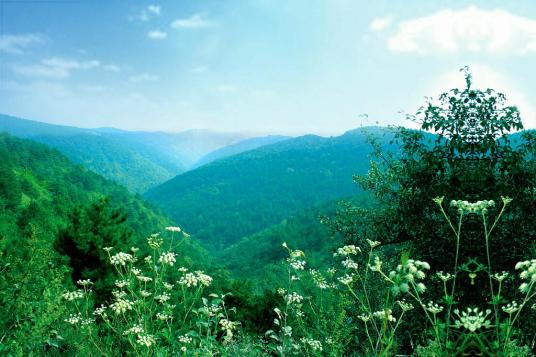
137,160
55,219
239,147
238,196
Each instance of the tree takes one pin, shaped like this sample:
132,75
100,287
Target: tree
467,149
91,229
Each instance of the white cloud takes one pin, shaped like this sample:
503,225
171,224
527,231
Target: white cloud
16,44
157,35
144,77
380,23
147,13
155,9
196,21
483,77
54,68
466,30
69,64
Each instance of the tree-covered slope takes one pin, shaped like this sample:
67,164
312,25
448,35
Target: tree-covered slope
235,197
33,174
55,219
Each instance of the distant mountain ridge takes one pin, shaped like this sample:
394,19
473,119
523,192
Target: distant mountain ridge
239,147
136,159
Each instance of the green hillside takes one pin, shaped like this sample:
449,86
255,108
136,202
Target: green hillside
55,218
243,194
134,165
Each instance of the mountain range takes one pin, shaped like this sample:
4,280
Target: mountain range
231,193
136,159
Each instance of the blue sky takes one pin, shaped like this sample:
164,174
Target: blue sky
260,66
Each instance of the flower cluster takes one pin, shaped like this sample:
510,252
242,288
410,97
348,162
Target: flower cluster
346,279
315,345
500,276
185,339
512,307
472,319
155,241
444,277
348,263
404,306
167,258
295,259
120,306
194,279
121,259
347,250
472,207
433,308
408,273
294,298
146,340
162,298
318,279
73,295
528,273
134,330
373,243
385,315
86,282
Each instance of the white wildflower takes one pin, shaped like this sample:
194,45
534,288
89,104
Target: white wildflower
167,258
134,330
348,250
163,297
315,345
155,241
146,340
144,279
121,306
386,315
73,295
297,264
512,307
121,283
185,339
121,258
350,264
168,286
294,298
433,308
74,319
85,282
373,243
347,279
162,316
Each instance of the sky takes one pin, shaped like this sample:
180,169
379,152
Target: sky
263,66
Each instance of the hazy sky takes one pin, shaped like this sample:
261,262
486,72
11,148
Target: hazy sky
285,66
